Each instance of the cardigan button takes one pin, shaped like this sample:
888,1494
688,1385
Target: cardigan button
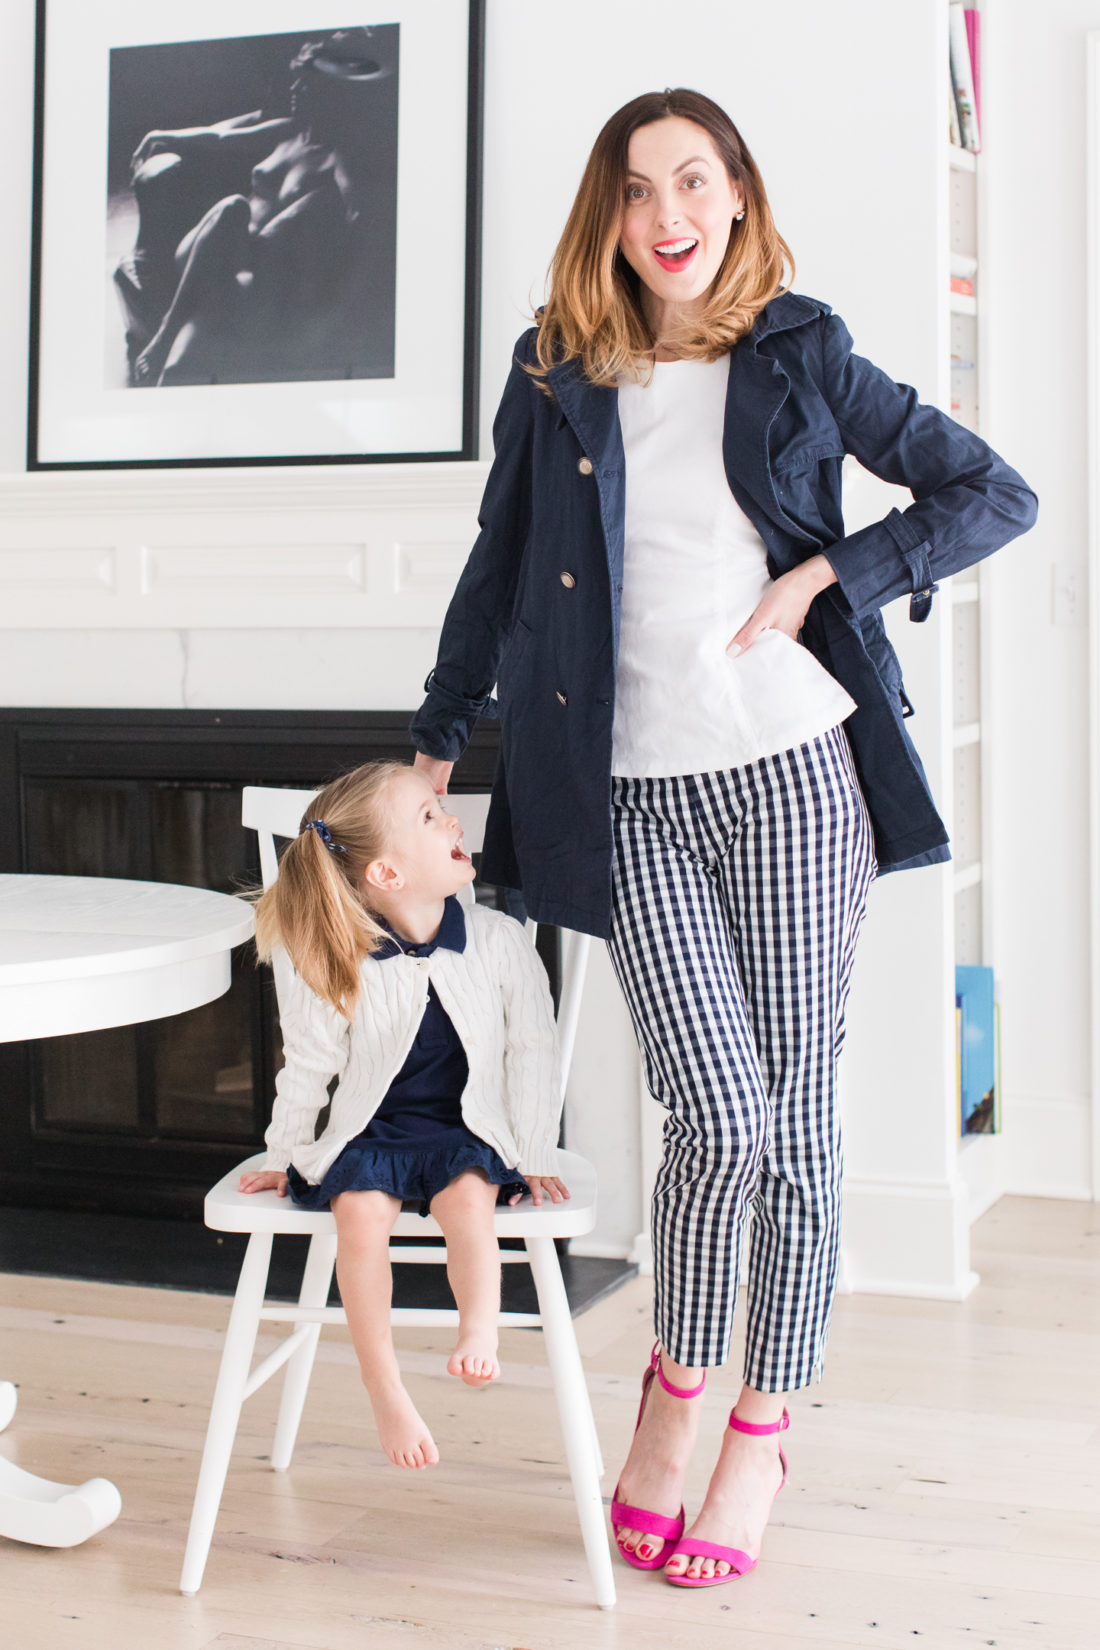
562,700
568,580
584,465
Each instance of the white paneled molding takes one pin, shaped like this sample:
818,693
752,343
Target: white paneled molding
326,547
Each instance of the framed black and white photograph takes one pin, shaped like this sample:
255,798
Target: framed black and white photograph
253,246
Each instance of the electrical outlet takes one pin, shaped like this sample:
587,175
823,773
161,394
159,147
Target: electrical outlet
1067,600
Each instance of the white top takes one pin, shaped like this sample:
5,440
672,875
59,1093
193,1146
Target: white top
495,994
694,570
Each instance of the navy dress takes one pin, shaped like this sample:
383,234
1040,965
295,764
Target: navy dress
416,1143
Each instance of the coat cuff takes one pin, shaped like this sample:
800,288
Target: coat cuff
876,564
444,724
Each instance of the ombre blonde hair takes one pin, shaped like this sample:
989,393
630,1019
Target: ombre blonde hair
316,908
594,312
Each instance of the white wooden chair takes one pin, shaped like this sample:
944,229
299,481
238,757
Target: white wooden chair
277,813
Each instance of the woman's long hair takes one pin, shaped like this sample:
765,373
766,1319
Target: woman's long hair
594,312
316,908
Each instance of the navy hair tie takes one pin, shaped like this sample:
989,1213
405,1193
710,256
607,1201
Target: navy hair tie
325,834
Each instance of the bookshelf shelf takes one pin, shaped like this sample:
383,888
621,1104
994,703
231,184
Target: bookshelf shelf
962,160
964,590
961,304
966,733
968,876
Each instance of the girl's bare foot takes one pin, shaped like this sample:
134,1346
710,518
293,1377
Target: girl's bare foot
401,1432
474,1359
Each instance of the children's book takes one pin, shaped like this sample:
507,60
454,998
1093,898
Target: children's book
977,1046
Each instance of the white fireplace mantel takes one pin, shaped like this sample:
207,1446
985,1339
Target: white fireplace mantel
321,546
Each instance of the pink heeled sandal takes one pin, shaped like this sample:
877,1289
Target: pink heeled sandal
640,1518
740,1563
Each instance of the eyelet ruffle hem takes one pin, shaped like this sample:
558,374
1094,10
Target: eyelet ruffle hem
414,1173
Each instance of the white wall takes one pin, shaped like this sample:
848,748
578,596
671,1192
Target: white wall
835,103
1038,419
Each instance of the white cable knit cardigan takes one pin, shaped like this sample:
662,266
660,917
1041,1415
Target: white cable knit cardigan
498,1000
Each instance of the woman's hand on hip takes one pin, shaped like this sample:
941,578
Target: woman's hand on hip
785,603
438,774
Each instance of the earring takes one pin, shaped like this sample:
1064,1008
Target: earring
739,215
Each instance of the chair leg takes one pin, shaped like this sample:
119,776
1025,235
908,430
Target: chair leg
316,1281
240,1340
574,1410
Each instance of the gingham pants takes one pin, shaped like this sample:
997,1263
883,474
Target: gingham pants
738,898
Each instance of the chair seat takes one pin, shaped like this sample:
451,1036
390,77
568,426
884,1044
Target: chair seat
228,1210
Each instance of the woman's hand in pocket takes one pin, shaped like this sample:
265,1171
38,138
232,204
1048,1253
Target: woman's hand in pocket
785,603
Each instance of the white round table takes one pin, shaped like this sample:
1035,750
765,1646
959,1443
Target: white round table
79,954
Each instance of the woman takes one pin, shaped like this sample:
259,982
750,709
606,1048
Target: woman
667,482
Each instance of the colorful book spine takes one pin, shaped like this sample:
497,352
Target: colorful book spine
974,41
962,76
960,284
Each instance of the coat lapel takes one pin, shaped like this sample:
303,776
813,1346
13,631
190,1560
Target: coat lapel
593,416
757,389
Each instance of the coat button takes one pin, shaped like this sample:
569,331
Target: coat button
584,465
562,700
568,580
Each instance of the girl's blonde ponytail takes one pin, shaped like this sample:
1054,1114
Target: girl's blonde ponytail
315,909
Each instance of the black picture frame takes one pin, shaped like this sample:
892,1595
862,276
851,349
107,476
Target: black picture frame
281,393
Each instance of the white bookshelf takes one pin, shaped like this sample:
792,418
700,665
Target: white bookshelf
972,640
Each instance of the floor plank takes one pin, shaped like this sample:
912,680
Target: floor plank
944,1488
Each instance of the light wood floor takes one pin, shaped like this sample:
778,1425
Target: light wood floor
944,1487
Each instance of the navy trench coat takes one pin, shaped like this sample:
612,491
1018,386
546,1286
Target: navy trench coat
536,610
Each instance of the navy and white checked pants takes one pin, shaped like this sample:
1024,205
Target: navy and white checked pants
738,898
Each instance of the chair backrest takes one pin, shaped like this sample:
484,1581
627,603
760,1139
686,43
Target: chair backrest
275,813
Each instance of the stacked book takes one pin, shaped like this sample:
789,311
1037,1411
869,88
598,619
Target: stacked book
965,102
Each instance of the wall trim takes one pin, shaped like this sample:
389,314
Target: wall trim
907,1238
318,548
1048,1139
244,491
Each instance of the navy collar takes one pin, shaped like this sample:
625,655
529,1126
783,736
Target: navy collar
451,935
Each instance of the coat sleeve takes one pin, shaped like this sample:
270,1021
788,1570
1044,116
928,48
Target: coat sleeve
967,501
460,686
532,1072
316,1040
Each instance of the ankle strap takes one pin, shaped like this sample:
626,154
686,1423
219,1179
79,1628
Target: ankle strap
755,1431
673,1391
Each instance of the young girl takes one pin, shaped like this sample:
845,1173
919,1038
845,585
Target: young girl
439,1026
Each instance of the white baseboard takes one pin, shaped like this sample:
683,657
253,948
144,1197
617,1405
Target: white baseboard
906,1238
1048,1146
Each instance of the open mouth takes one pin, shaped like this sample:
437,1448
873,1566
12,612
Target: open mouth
456,853
676,254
